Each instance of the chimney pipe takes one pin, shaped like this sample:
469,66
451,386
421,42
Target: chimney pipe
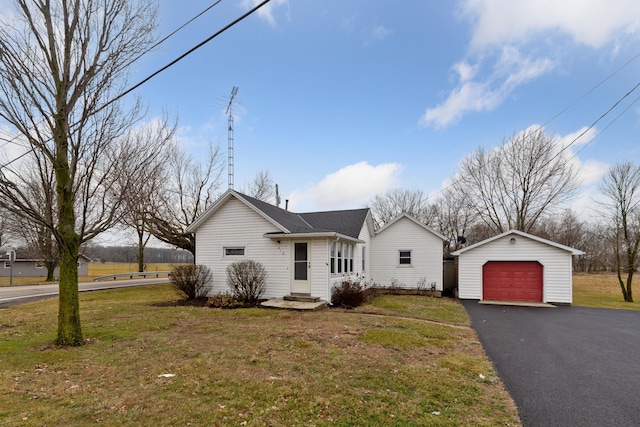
286,205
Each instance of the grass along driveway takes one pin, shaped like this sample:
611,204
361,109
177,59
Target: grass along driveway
602,290
147,364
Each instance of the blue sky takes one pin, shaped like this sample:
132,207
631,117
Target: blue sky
340,100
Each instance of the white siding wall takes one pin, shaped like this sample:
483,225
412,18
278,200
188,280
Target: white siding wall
556,264
235,224
319,256
426,255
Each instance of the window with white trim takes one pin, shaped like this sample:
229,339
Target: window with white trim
341,256
39,264
234,251
404,257
351,251
332,258
7,264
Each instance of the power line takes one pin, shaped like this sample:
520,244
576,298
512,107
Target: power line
151,48
170,64
184,55
174,32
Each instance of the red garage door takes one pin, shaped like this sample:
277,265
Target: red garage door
512,281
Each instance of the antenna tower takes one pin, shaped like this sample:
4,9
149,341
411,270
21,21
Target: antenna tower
234,91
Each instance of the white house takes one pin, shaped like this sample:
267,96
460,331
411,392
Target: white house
516,266
408,254
307,253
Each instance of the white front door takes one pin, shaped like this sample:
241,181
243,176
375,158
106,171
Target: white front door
300,281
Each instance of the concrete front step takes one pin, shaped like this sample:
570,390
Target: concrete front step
301,298
294,305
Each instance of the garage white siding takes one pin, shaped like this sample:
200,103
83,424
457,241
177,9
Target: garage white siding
555,260
405,234
224,232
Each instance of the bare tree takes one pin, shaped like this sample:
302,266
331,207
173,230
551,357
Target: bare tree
455,218
61,63
191,187
261,188
621,187
36,237
385,207
141,198
4,227
518,183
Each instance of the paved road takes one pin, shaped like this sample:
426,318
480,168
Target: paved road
565,366
19,294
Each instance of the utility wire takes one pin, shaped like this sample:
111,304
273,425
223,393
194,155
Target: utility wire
184,55
602,116
174,32
170,64
151,48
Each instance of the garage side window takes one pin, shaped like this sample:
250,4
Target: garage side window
405,257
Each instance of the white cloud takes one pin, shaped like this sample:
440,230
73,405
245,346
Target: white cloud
590,22
465,71
590,171
350,187
381,32
266,11
510,71
502,29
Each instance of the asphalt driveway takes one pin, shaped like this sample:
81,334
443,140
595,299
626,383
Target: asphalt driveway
565,366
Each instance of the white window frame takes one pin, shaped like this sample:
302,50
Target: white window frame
400,258
226,249
7,264
332,258
341,258
39,264
364,257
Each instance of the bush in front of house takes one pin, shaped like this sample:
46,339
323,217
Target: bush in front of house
224,300
247,280
193,281
348,294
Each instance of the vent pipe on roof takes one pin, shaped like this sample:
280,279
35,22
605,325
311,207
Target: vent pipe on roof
286,205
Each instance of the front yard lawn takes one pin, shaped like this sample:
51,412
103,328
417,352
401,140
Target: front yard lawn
397,361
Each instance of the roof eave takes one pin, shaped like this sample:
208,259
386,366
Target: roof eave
311,235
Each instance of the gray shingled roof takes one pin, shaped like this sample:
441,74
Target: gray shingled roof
346,222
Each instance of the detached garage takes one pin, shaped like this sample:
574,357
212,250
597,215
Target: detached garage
516,266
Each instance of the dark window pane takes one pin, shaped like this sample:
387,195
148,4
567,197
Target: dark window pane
300,272
405,257
301,252
234,251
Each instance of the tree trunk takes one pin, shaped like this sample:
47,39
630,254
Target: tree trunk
140,257
628,296
51,268
69,330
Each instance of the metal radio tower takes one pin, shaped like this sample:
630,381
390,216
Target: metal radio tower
234,91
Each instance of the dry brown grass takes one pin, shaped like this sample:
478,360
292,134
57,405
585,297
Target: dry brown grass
600,290
244,367
95,270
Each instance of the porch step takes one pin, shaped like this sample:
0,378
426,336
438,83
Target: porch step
301,298
294,305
